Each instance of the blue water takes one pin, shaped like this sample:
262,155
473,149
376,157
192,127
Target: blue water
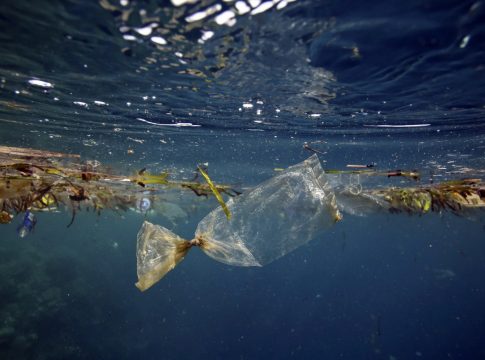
398,84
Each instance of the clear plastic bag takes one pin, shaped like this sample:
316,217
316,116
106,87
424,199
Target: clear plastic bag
158,250
271,220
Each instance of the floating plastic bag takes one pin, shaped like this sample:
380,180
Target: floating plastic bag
158,251
268,222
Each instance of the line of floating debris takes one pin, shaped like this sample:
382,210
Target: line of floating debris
252,229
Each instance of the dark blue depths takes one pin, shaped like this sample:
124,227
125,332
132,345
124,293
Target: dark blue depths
378,287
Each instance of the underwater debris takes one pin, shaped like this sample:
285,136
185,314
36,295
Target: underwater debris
27,225
35,180
361,166
369,170
414,175
306,146
143,205
5,217
269,221
458,197
284,213
253,229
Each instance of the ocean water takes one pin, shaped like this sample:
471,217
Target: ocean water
243,86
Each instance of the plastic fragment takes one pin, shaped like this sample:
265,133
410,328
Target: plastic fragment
158,251
27,225
269,221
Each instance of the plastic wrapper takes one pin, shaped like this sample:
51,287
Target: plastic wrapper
268,222
158,251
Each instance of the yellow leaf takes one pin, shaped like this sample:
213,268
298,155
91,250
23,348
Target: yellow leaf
216,192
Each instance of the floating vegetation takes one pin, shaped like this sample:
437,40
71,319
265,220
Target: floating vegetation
34,180
253,229
449,196
458,197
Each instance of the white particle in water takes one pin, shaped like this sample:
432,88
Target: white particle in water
225,17
80,103
196,16
40,83
158,40
200,15
181,124
89,142
100,103
231,22
281,5
206,35
129,37
242,8
397,125
183,2
464,42
145,31
262,8
247,105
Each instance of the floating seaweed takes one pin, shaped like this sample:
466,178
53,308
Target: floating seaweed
458,197
253,229
36,180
